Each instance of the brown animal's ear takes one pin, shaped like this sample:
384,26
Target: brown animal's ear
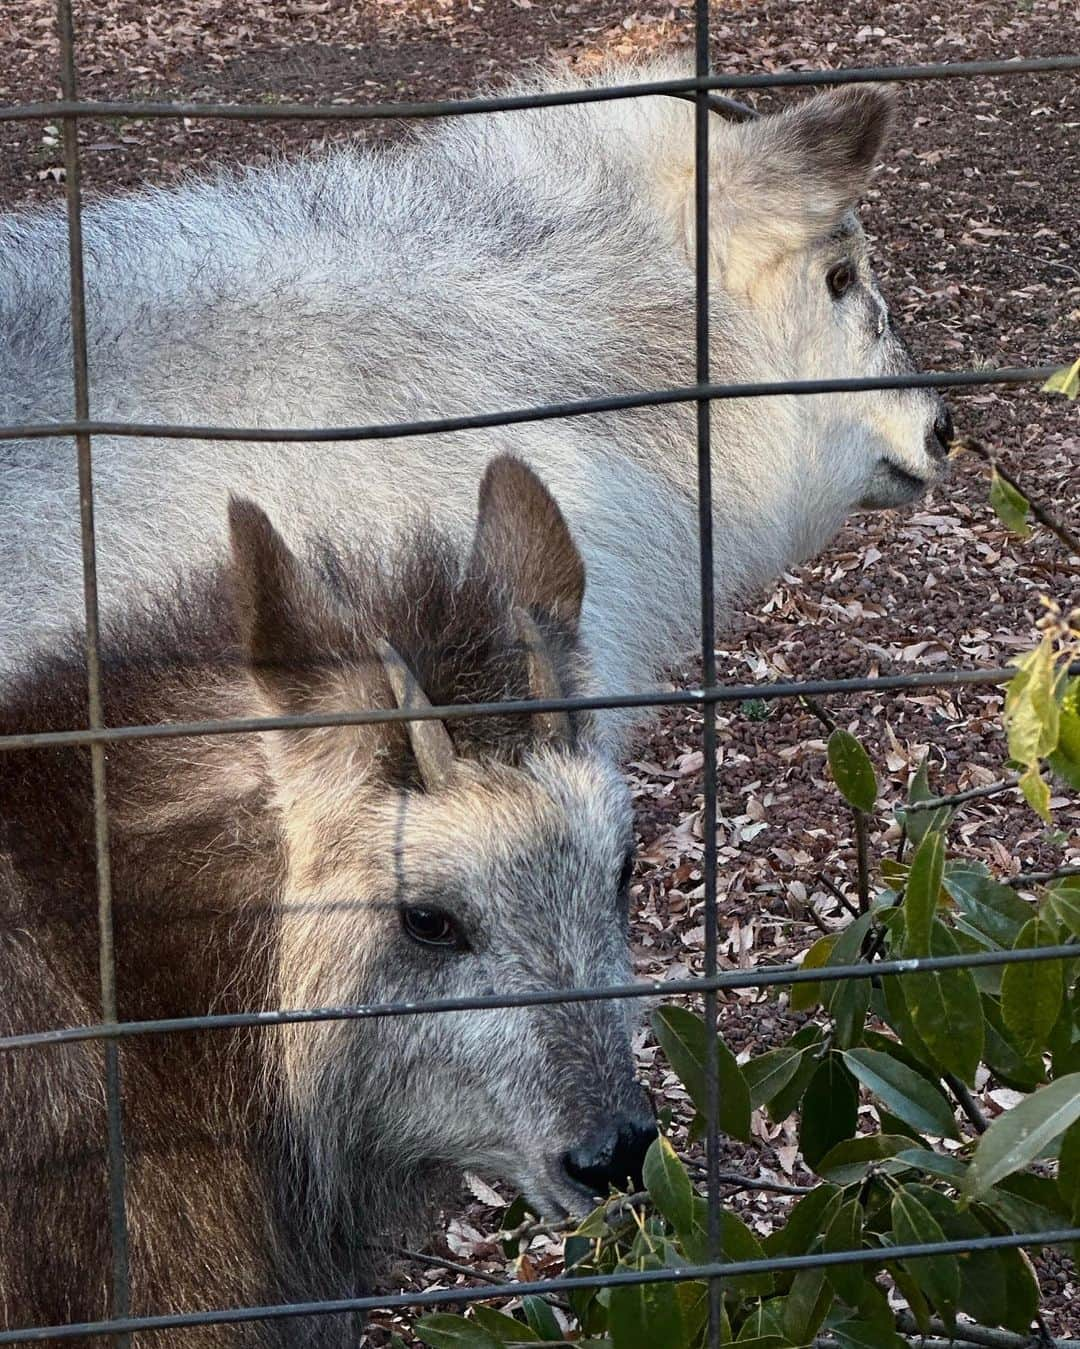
521,536
287,620
785,181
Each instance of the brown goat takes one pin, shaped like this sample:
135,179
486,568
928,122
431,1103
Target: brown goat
314,867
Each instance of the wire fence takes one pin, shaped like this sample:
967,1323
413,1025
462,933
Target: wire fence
97,735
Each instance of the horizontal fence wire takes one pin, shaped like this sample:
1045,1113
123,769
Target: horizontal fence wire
439,1297
581,407
374,716
702,394
342,112
776,977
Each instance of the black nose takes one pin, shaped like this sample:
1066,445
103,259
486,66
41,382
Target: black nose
613,1154
943,428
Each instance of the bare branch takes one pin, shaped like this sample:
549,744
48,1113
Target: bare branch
838,895
1040,877
967,1103
741,1182
437,1262
958,798
976,1334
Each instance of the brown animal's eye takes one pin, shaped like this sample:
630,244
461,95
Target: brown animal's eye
840,279
432,927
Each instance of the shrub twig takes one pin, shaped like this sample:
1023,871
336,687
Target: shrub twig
1044,517
1040,877
958,798
970,1333
967,1103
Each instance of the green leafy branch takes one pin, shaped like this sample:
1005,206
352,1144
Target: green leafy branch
935,1169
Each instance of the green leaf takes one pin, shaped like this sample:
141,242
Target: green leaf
848,1008
1013,1068
1036,792
807,1220
849,999
830,1109
1032,714
923,892
1017,1211
1065,759
852,770
917,823
806,1305
769,1073
694,1306
645,1316
444,1331
867,1335
982,1273
790,1095
1022,1292
541,1318
668,1185
939,1164
896,1014
938,1275
737,1243
805,996
504,1328
946,1009
682,1036
1062,904
894,1125
844,1233
1010,506
906,1093
1031,992
912,1295
993,908
1066,381
847,1162
1016,1138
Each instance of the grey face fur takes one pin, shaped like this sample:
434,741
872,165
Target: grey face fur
527,865
497,262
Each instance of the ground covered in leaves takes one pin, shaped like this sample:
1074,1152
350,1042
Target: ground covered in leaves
973,217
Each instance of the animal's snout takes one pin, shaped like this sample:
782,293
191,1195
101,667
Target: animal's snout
943,429
613,1154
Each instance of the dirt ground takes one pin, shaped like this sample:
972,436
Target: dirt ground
973,218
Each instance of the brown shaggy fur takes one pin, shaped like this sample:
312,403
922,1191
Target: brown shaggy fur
216,1192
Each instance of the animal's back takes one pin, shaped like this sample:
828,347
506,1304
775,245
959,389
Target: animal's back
466,272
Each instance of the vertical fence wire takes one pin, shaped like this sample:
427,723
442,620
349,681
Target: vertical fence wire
708,654
121,1291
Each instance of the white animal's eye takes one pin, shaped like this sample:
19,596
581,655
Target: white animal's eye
432,927
840,279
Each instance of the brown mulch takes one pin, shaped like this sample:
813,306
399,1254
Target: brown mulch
974,217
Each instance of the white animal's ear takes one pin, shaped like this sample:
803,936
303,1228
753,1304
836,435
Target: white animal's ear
783,182
522,537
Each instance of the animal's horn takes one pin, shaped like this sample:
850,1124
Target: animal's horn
543,680
430,740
